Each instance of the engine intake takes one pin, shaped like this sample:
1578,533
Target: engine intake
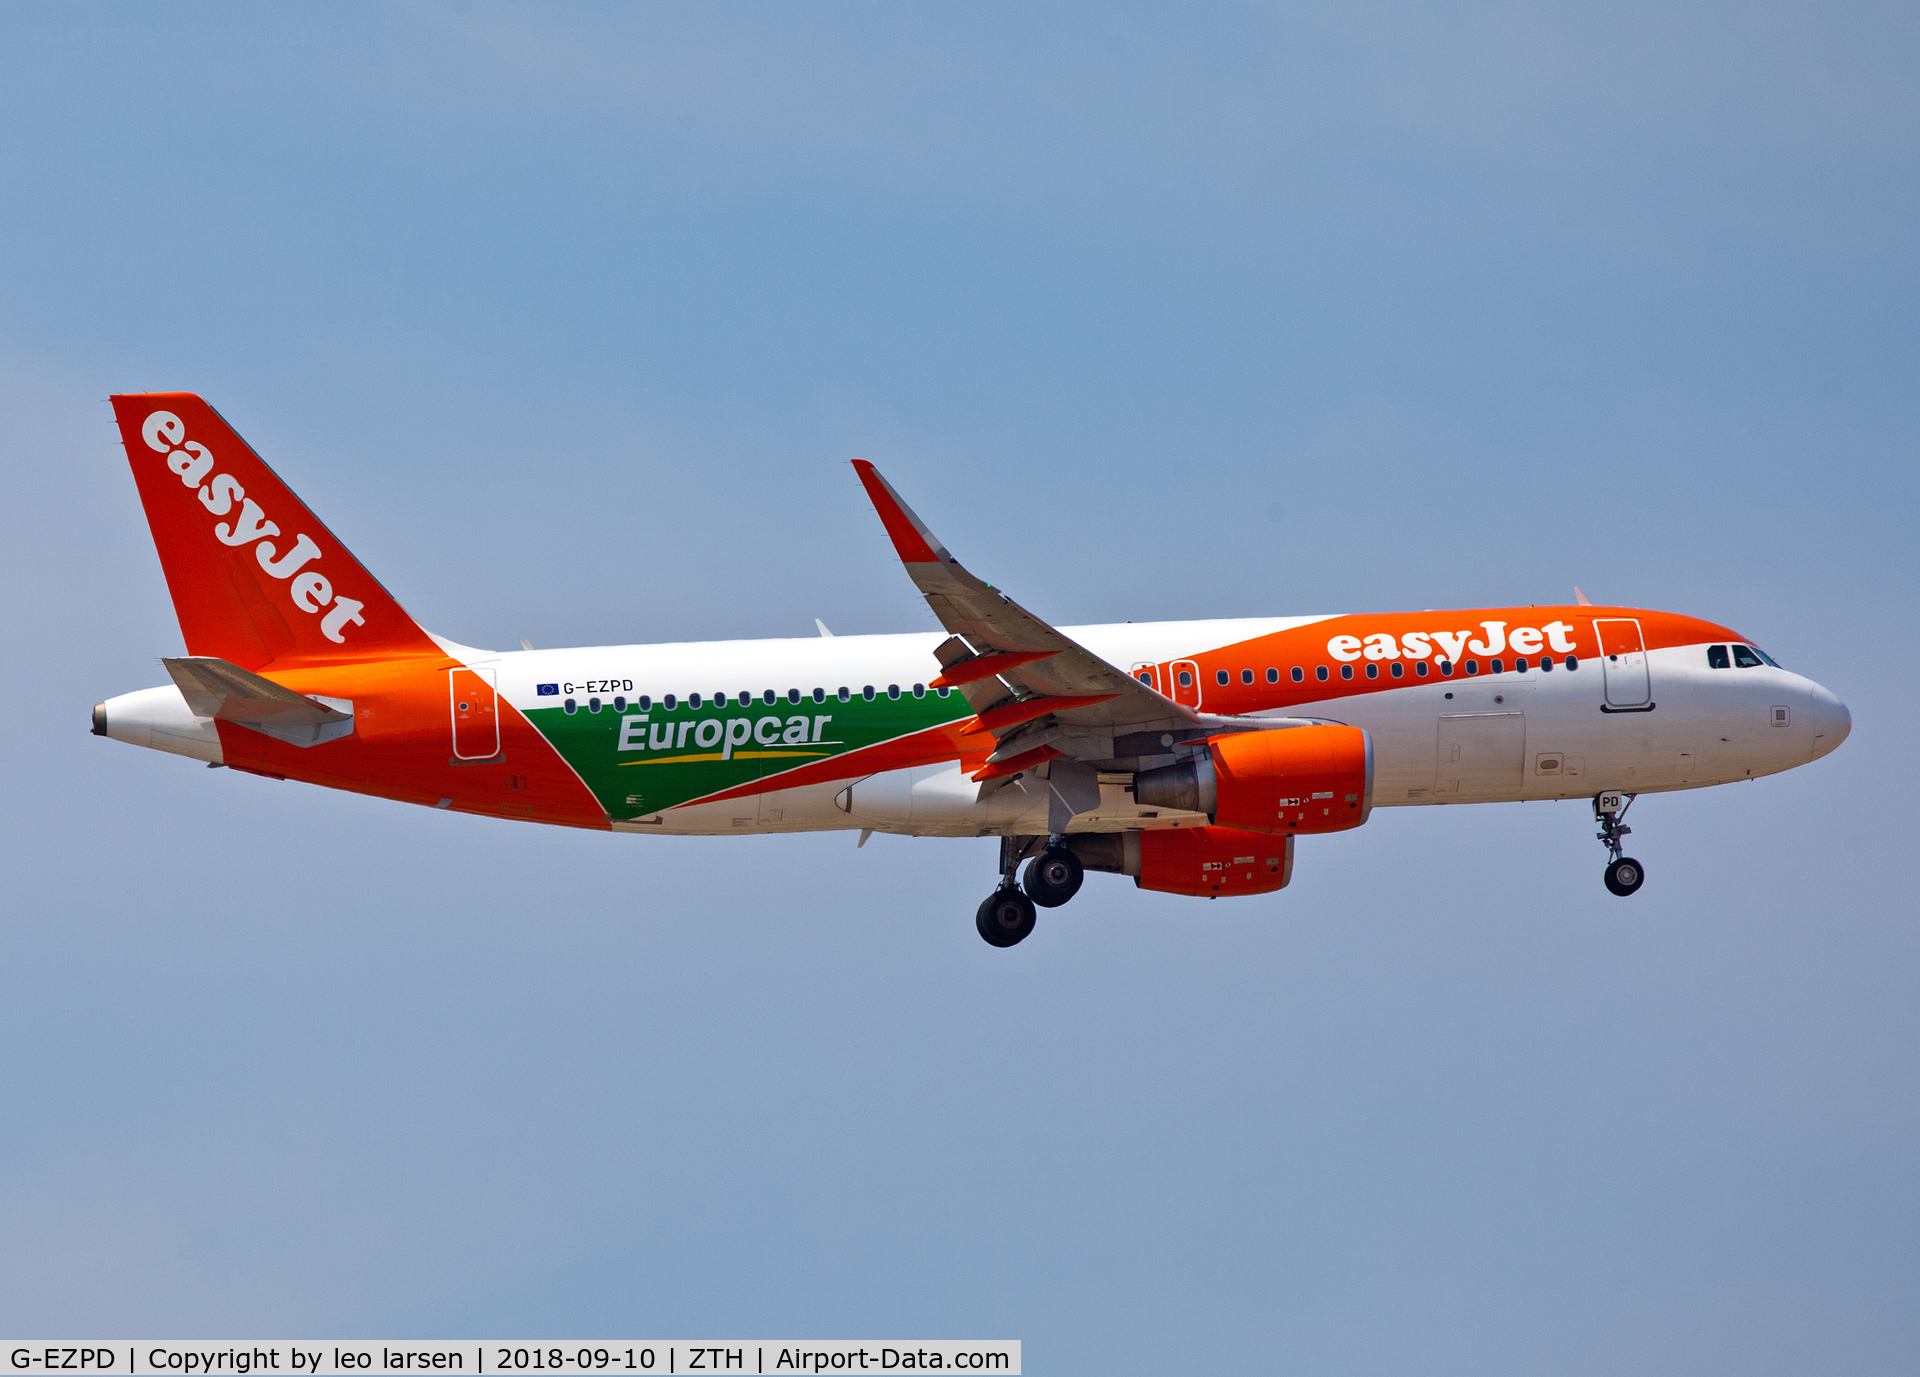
1288,780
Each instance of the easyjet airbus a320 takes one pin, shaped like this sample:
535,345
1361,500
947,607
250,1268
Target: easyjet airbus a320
1189,755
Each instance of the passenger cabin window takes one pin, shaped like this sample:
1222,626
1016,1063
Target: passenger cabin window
719,700
819,695
1320,673
1373,671
1145,676
571,707
1186,679
1346,671
693,701
770,697
646,703
1273,676
1717,657
1473,666
1446,667
593,705
1300,674
1520,665
1398,669
619,705
845,694
1546,662
1743,658
1221,677
670,702
893,690
1420,669
867,693
919,690
1499,666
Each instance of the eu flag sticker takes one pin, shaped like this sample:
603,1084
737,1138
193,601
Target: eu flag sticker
549,690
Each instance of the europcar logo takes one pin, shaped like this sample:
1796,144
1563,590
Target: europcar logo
310,590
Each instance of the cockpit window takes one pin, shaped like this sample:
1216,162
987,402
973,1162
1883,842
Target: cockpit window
1716,657
1763,655
1744,658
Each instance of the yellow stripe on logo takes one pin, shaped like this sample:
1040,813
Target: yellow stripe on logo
715,755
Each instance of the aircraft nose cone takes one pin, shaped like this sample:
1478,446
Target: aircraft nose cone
1831,722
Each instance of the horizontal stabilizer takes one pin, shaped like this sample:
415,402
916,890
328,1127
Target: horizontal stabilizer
221,690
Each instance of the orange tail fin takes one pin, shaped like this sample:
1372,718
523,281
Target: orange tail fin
256,578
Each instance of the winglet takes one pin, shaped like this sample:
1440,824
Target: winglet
911,538
1580,597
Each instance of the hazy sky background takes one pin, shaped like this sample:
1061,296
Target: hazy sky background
567,321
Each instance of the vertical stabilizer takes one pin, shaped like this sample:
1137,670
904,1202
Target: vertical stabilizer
256,578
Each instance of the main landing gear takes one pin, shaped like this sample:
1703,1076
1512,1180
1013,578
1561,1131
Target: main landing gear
1623,874
1053,877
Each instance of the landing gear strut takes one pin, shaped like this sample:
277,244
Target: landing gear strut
1007,915
1623,874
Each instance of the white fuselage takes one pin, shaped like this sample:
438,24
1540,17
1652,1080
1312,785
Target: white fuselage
1485,739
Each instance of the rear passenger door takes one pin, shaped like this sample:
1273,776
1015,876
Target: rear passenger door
476,717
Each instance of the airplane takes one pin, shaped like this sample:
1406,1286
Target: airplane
1188,755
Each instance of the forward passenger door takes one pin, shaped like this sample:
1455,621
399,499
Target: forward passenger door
1623,661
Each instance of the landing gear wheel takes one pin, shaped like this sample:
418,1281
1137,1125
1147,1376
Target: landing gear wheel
1053,877
1623,876
1005,918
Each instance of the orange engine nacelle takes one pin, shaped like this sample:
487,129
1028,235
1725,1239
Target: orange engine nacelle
1217,862
1285,780
1214,861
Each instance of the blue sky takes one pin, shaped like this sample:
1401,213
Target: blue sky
567,320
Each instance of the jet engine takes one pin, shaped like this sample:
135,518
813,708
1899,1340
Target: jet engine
1286,780
1217,862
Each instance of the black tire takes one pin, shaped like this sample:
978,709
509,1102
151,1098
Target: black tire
1053,877
1624,876
1005,918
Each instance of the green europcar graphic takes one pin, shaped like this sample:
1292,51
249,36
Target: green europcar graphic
638,763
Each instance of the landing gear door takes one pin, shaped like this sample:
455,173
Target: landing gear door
1623,661
476,714
1186,682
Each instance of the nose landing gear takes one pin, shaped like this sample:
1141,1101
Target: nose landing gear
1623,874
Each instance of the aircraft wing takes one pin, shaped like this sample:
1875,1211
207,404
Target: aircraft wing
1040,693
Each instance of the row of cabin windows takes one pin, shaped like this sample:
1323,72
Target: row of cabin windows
768,698
1396,669
1744,657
